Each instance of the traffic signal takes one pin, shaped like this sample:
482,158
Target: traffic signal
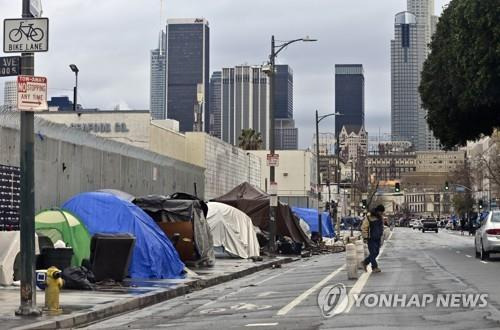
397,188
364,204
446,186
480,204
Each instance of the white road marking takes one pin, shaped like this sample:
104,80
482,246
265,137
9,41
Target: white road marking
484,262
360,284
468,256
265,294
262,324
308,292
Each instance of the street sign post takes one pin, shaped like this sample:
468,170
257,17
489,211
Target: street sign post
10,66
273,193
25,35
273,160
31,93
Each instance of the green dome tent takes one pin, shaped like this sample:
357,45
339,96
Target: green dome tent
59,224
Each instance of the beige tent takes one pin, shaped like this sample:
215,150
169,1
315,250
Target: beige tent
233,230
9,248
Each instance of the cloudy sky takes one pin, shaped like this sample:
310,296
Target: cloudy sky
110,40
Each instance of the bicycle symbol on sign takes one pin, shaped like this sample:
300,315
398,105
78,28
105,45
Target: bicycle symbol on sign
35,34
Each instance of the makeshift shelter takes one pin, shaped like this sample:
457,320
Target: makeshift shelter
10,242
232,230
255,203
184,221
153,255
62,225
311,217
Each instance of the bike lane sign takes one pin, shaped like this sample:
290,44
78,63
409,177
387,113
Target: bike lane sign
31,93
25,35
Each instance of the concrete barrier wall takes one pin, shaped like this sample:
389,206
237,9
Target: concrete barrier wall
69,161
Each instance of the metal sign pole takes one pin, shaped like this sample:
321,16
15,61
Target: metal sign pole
28,291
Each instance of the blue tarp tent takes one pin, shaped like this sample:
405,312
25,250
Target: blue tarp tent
154,255
311,217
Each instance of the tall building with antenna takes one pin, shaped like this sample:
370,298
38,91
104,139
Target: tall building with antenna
158,80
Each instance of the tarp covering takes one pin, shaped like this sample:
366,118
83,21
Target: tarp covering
165,209
255,203
153,256
311,217
233,230
72,232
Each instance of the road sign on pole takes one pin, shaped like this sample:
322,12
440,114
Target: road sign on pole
25,35
10,66
31,93
273,160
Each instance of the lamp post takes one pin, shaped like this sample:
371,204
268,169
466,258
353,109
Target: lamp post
74,68
275,50
318,119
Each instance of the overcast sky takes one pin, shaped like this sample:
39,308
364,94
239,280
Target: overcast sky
110,40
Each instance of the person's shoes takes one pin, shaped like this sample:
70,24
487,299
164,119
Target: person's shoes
376,270
364,266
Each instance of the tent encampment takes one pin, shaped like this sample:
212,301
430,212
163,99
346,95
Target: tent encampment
62,225
311,217
184,215
255,203
153,256
232,230
10,242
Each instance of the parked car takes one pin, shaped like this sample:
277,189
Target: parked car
487,237
412,223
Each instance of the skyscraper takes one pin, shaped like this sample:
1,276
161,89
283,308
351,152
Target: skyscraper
158,79
413,30
188,63
286,135
283,94
244,102
349,95
215,104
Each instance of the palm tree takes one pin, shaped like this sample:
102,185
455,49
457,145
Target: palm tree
250,140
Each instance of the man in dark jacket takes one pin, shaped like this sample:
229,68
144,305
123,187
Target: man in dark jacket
372,231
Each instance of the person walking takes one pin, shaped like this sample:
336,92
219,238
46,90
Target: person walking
372,230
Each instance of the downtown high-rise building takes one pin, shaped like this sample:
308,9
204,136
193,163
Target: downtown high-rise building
9,96
158,80
283,91
244,95
286,135
215,104
188,63
349,96
413,30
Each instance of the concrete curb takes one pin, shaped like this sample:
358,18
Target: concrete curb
112,309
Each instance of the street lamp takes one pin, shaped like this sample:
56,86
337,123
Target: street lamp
74,68
318,119
275,50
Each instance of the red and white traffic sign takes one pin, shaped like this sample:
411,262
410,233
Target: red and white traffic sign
273,160
31,93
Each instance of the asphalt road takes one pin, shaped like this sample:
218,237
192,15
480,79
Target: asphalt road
286,298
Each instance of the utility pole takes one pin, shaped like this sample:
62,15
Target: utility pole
320,225
28,292
272,223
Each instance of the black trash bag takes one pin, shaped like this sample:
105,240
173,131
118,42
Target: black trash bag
286,245
78,278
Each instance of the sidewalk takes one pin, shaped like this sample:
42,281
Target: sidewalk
84,307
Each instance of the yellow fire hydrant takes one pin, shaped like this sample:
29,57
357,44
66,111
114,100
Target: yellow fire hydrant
54,283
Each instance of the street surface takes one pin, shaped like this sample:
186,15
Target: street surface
286,298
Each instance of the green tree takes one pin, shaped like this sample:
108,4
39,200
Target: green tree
250,140
460,85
